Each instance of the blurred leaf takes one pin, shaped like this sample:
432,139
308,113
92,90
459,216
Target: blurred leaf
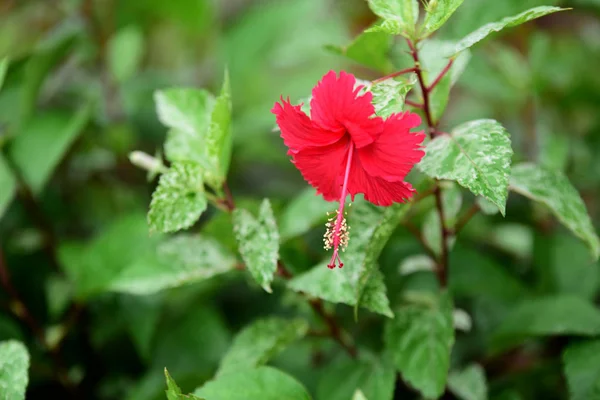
389,95
179,199
263,383
508,22
420,338
141,315
554,151
125,52
476,154
399,16
200,129
302,213
553,189
200,331
259,342
48,53
416,263
438,11
480,276
14,366
359,395
39,147
93,266
570,268
359,283
432,230
3,68
438,98
178,261
486,206
547,316
173,391
258,241
372,376
469,383
515,239
370,49
58,295
197,329
582,368
8,184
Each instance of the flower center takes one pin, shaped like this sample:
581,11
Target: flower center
337,234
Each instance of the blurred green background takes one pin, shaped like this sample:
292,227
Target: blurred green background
78,98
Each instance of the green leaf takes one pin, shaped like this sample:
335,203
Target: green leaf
258,241
438,98
359,282
179,199
486,207
125,52
370,49
372,376
476,154
178,261
264,383
469,383
420,339
481,33
14,364
200,129
3,68
438,11
141,315
582,368
8,183
399,16
553,189
389,95
416,263
39,147
48,53
359,395
302,213
259,342
480,277
220,140
173,391
547,316
569,267
188,324
94,265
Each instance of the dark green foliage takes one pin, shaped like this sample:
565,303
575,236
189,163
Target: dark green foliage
156,242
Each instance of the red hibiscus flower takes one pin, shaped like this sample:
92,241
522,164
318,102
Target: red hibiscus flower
344,148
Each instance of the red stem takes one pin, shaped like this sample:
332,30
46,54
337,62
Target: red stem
441,75
415,56
412,103
395,74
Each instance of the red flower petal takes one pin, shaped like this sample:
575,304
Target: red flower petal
396,150
335,105
377,190
323,167
298,131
